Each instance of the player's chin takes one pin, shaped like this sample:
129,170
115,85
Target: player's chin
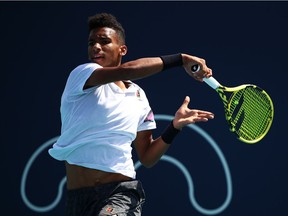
99,61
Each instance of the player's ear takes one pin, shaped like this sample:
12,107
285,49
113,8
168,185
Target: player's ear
123,50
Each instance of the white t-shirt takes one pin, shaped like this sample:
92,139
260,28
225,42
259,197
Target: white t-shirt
100,123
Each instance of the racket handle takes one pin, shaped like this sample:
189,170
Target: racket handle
211,81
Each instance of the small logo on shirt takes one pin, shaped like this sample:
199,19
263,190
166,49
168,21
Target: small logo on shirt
138,93
109,209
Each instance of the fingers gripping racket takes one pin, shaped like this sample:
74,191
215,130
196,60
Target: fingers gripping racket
248,110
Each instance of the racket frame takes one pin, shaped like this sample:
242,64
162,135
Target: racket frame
221,90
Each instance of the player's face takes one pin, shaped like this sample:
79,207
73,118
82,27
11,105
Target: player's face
105,48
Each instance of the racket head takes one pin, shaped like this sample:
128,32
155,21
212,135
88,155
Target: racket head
249,112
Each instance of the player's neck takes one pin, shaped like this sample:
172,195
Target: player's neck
123,84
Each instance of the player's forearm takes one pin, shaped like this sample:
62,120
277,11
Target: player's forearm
140,68
133,70
154,152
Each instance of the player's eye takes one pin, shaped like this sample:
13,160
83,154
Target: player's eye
102,42
91,43
105,41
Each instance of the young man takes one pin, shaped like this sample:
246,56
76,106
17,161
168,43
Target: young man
103,112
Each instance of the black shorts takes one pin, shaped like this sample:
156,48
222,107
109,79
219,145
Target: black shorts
114,199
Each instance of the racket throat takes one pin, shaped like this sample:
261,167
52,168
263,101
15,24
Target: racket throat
235,126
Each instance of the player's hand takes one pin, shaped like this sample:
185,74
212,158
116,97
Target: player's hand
185,116
203,72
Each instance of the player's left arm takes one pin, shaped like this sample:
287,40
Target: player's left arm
150,151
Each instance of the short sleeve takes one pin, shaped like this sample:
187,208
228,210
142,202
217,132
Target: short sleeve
148,121
77,79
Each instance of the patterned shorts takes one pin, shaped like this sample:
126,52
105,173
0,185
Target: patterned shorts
114,199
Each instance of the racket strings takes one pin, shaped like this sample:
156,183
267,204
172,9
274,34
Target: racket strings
251,113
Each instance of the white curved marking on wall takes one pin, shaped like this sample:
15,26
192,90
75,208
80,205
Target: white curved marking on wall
166,158
24,178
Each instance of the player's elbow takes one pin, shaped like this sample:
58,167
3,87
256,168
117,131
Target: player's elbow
148,163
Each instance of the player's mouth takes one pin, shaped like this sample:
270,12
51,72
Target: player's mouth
97,58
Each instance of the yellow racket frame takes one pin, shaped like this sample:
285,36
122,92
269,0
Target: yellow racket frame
244,109
251,120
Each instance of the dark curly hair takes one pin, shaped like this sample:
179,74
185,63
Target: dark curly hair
106,20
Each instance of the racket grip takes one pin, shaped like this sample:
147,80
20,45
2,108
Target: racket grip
212,82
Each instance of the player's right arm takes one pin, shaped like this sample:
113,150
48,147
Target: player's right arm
144,67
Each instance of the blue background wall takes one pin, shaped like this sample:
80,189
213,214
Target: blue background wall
243,42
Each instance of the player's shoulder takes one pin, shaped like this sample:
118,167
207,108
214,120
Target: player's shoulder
87,66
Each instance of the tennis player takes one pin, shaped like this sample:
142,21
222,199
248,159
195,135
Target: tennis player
103,112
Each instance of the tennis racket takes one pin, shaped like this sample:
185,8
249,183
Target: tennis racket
248,109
